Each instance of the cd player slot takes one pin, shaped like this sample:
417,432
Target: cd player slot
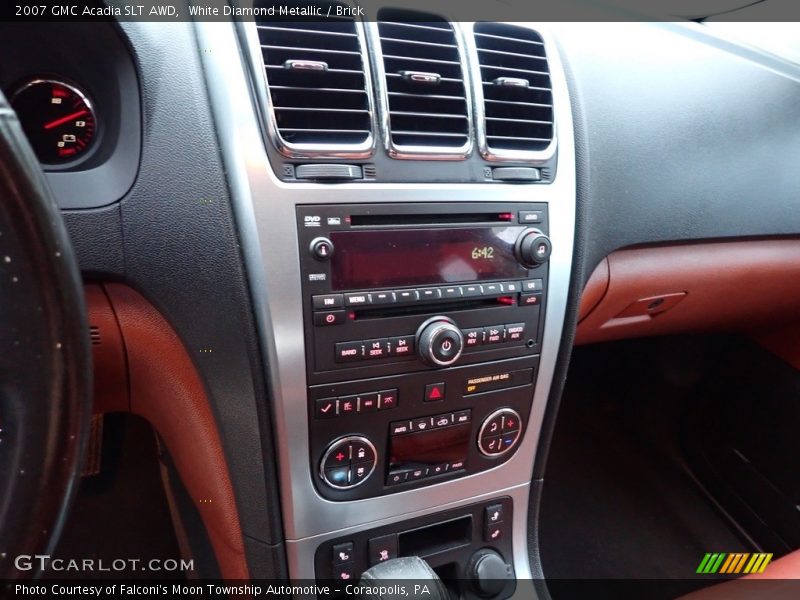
430,219
425,308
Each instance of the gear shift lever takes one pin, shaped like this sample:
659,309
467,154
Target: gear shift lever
406,568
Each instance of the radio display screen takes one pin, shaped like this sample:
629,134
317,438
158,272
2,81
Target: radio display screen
446,445
406,257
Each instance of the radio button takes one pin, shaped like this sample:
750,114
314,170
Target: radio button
491,289
529,216
325,408
447,346
434,392
382,297
367,402
387,399
427,294
530,299
511,287
471,290
439,342
377,348
327,301
473,337
401,346
533,285
407,295
451,292
334,317
515,332
358,299
494,334
349,351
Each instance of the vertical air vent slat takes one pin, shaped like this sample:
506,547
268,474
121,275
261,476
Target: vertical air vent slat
319,91
427,101
517,94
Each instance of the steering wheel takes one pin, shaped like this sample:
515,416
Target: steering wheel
45,357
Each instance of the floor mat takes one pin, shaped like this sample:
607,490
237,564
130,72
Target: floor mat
617,502
122,513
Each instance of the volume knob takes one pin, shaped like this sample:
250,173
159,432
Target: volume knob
439,342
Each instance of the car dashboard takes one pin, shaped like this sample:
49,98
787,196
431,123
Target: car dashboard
371,236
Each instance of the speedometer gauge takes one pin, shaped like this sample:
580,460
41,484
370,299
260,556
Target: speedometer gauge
58,119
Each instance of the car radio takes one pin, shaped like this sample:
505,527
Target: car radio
423,330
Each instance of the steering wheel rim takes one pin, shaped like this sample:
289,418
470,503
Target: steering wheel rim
45,357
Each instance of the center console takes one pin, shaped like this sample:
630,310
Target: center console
423,330
410,319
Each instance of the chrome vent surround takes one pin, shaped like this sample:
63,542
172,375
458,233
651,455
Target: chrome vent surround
319,87
514,98
425,100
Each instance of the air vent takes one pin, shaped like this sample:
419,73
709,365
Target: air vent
94,335
425,94
318,86
517,95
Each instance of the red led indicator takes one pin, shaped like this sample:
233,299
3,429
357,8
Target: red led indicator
506,216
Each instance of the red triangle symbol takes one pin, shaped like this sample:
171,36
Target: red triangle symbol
435,393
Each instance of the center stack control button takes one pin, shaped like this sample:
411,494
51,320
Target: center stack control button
439,342
348,462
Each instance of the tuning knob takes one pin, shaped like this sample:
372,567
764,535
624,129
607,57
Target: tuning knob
439,342
533,248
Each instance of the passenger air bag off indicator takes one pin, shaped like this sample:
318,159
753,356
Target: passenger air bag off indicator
498,381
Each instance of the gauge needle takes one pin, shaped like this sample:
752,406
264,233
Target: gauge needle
63,120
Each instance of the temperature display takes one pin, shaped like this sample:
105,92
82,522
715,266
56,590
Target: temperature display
58,119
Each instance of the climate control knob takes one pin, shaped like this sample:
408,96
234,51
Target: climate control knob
348,462
499,433
533,248
439,342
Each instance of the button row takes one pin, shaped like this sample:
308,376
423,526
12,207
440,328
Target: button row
397,476
448,292
328,408
380,549
328,302
377,348
494,334
426,423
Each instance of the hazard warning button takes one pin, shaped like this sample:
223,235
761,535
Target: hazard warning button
434,392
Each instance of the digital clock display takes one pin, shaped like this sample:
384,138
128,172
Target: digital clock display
405,257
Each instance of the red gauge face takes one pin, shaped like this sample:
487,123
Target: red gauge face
58,119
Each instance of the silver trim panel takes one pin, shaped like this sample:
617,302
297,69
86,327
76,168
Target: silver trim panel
265,209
